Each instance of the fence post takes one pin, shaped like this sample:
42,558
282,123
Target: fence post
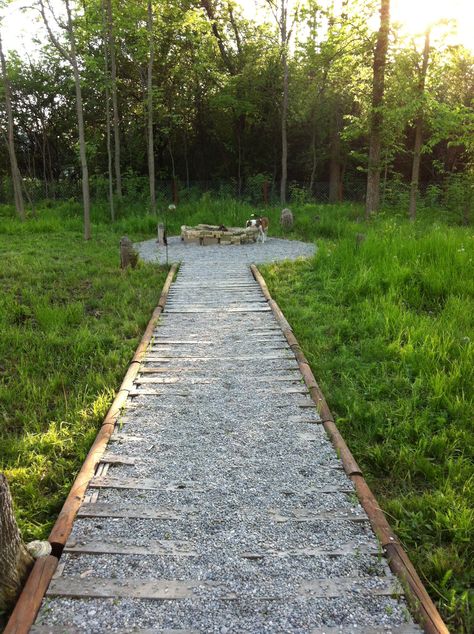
265,192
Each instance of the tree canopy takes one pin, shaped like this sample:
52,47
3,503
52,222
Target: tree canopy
218,98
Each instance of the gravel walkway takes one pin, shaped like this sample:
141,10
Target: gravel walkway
221,505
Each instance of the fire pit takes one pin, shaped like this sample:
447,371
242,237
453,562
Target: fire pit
214,234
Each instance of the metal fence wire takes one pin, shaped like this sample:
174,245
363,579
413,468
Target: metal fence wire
257,191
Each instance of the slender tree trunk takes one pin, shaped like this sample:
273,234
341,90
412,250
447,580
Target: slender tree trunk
107,120
15,561
314,157
335,159
415,172
16,177
284,109
80,126
376,123
70,56
151,151
113,70
186,160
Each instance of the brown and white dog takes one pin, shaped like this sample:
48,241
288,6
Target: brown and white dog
261,222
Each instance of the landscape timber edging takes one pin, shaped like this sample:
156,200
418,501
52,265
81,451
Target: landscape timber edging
423,607
29,601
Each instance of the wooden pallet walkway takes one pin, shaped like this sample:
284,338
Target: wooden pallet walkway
220,504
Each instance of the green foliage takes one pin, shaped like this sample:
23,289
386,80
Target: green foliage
388,327
70,323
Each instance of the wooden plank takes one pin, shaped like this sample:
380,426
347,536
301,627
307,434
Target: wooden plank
114,458
263,357
303,515
159,379
172,311
99,588
355,586
114,546
408,628
302,420
145,392
350,549
136,511
145,484
69,629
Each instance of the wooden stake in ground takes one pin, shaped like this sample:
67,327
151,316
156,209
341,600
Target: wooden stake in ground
16,177
15,560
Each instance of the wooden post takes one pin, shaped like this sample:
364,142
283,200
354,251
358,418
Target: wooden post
15,560
265,192
161,234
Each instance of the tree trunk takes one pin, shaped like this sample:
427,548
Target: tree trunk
113,70
107,119
80,126
376,124
415,172
15,561
335,159
151,152
186,161
284,107
16,177
314,157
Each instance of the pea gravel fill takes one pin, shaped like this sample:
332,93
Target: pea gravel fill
222,486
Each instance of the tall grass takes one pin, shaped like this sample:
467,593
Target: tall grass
388,327
70,321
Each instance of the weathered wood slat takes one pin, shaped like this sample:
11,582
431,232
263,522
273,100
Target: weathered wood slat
343,586
264,357
349,549
133,512
113,458
91,587
301,515
127,547
68,629
144,484
265,309
145,392
361,629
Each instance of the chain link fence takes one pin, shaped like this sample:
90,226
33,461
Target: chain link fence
455,194
255,191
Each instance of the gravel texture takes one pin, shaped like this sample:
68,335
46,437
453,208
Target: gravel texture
273,250
220,478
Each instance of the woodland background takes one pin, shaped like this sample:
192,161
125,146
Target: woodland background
210,84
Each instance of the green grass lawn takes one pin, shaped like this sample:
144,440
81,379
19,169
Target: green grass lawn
387,325
70,322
